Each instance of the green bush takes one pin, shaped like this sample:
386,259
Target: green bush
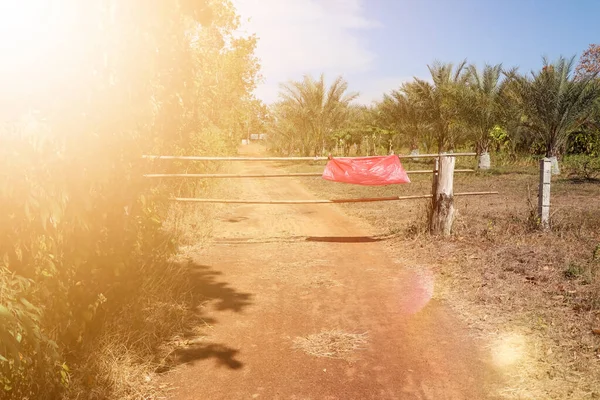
81,229
584,142
582,167
70,239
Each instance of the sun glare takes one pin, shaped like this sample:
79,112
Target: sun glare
508,350
31,32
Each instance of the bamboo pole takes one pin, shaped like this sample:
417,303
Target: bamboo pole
437,155
270,175
202,158
230,175
333,201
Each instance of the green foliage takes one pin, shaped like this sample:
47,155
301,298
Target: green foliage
427,112
70,238
79,224
438,102
360,129
460,106
479,106
553,103
308,113
498,134
585,142
399,113
586,270
582,166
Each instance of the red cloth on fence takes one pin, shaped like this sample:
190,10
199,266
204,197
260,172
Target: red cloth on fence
372,171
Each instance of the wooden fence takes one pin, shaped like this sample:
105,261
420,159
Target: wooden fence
442,194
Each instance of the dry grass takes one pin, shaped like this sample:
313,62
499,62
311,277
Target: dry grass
192,224
501,275
134,342
137,338
332,344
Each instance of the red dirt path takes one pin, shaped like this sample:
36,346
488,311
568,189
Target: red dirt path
274,273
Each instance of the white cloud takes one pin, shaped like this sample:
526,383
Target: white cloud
298,37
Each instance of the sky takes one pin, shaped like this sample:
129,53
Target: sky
378,44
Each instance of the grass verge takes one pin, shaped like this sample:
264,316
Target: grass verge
138,335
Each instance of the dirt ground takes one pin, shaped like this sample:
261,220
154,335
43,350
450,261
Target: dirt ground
273,275
530,297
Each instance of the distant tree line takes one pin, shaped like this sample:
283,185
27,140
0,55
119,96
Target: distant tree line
551,112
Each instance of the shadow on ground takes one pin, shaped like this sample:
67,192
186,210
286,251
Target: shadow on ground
343,239
224,356
208,287
294,239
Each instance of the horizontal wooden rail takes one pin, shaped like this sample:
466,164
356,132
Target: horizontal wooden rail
425,171
436,155
360,200
202,158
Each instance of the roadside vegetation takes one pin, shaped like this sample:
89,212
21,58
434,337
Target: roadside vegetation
90,297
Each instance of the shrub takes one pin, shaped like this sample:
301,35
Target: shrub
70,239
583,167
79,224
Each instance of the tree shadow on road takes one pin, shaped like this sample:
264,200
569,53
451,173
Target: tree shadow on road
208,288
343,239
223,355
294,239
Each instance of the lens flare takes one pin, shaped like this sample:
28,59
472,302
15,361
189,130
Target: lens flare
508,350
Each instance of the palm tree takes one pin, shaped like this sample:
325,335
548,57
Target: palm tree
313,109
399,114
437,101
554,103
481,106
511,115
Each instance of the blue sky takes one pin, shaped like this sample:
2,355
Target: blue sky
378,44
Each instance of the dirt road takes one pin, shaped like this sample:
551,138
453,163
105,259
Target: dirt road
275,274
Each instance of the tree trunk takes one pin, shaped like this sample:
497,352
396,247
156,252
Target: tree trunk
442,214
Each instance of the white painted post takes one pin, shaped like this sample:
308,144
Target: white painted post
544,193
442,215
484,160
415,152
555,167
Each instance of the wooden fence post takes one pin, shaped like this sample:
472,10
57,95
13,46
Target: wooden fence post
544,193
442,214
